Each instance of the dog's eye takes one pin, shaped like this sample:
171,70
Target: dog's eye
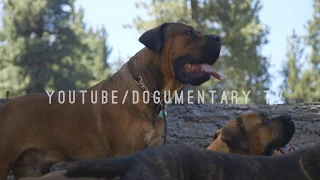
191,33
266,120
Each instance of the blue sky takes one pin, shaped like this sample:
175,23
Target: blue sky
282,16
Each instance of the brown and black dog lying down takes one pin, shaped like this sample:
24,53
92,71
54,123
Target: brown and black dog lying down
253,134
182,162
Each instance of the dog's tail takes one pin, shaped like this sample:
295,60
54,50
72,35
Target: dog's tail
105,168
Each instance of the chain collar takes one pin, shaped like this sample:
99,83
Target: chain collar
143,86
138,79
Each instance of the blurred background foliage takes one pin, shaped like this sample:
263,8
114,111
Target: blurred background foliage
302,69
46,45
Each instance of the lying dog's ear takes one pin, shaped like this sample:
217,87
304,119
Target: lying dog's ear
233,137
265,118
216,134
154,38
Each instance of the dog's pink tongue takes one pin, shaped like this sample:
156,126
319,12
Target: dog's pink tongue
209,69
285,149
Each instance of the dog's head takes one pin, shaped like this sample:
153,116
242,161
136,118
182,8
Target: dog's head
254,134
186,54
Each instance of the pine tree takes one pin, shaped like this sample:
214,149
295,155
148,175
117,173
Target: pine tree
304,85
45,45
237,22
291,69
118,62
313,39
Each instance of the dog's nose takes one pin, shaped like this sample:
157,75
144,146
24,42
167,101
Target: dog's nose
288,124
215,38
287,119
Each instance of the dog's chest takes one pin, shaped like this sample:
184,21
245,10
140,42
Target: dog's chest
152,138
154,133
137,136
149,135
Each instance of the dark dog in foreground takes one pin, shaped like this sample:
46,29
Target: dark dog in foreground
36,133
182,162
253,134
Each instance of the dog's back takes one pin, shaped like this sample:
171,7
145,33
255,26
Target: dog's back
185,162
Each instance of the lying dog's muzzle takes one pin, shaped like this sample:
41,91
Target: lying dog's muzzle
287,132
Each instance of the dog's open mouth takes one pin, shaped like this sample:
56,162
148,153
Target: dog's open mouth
279,151
195,68
283,150
190,70
206,68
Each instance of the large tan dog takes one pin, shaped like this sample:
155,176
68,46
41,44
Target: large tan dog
253,134
181,162
37,131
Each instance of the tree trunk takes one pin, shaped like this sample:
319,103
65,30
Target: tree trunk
194,10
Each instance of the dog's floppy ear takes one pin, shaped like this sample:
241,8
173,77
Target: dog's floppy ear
154,38
265,118
233,137
217,133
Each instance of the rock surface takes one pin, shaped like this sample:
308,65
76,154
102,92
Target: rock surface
195,124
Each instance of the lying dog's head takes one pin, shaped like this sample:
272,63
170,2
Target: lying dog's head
186,54
254,134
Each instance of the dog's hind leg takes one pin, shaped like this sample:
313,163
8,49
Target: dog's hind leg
4,171
7,159
34,163
21,170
